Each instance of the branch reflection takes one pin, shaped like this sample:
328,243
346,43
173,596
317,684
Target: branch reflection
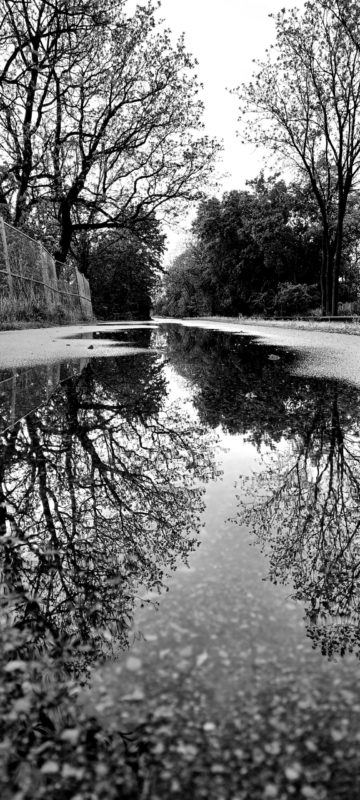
303,506
101,495
305,515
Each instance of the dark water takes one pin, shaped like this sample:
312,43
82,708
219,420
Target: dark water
180,564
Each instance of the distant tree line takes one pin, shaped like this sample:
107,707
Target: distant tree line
124,272
257,251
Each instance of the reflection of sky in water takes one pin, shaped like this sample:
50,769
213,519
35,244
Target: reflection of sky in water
178,387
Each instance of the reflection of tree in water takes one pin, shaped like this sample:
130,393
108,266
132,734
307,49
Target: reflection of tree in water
236,385
306,517
101,495
304,506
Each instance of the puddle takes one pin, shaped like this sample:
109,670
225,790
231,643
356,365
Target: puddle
208,467
22,390
134,337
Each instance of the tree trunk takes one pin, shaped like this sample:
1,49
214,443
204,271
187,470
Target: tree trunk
336,270
323,276
27,133
329,280
66,234
329,270
335,289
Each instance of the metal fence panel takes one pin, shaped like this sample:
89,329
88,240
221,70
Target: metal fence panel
28,270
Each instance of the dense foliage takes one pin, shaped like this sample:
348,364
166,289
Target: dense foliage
303,104
256,251
124,271
247,247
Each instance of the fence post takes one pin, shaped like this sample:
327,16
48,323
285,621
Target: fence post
77,276
6,256
88,294
54,278
79,281
45,277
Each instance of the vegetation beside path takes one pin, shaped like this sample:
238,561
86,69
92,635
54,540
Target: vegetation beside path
331,326
42,320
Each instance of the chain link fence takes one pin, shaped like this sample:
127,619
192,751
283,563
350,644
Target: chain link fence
27,269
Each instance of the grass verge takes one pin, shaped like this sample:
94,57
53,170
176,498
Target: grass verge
27,312
302,324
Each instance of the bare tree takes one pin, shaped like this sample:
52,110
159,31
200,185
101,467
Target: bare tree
38,42
306,101
101,122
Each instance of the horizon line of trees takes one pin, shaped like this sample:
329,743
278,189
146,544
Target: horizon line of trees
303,105
258,251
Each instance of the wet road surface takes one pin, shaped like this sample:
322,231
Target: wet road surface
214,465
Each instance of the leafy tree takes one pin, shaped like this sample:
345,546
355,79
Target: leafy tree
285,224
347,13
101,122
124,270
229,254
306,102
245,246
185,290
41,43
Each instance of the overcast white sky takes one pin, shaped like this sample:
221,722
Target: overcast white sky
225,36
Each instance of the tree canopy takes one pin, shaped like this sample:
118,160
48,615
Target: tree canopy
246,249
124,270
101,119
304,105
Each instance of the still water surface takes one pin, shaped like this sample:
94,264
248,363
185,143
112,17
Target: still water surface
180,570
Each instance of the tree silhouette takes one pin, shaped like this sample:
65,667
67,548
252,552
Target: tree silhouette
303,505
100,499
305,516
304,106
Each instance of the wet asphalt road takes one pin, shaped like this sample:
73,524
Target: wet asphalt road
322,353
30,347
325,354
